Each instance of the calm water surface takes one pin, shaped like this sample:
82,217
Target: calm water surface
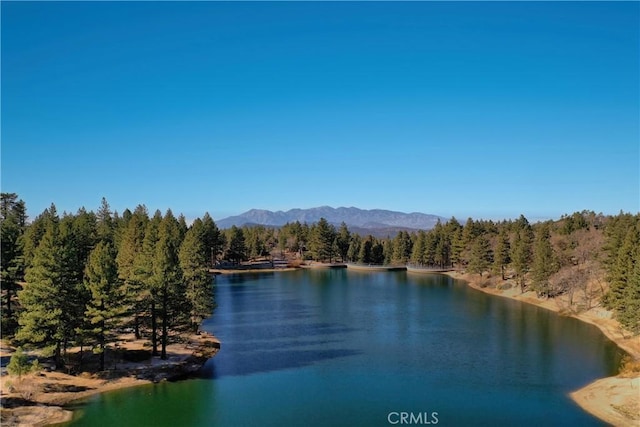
337,347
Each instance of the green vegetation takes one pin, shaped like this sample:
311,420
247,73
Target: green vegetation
13,217
83,279
19,364
623,269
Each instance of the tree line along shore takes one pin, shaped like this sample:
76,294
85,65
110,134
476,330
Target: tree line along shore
591,259
78,278
85,279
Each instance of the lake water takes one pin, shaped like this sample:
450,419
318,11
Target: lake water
337,347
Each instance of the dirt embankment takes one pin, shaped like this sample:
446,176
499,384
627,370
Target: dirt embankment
42,398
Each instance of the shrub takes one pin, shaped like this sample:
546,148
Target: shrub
19,364
629,366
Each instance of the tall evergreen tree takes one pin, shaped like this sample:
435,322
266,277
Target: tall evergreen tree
521,254
145,268
73,262
430,246
12,227
353,254
627,309
343,240
106,304
182,226
378,253
481,255
198,283
214,240
85,226
418,250
254,241
129,259
457,247
236,248
167,274
623,266
470,231
544,262
502,255
442,255
49,295
322,239
401,248
105,229
366,250
34,233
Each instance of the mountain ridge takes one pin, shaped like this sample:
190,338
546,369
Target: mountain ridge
368,219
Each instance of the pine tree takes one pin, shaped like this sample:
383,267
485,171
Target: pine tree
12,228
457,247
73,262
442,255
343,240
401,248
48,297
623,270
378,253
86,234
481,255
182,226
198,283
470,231
34,233
145,270
417,252
353,254
430,246
236,248
167,274
544,262
105,227
521,254
106,304
502,256
322,239
19,363
628,308
214,240
365,256
254,242
128,260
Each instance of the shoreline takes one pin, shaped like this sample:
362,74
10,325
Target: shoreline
225,271
615,399
56,394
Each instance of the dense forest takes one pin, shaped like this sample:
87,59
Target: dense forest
79,279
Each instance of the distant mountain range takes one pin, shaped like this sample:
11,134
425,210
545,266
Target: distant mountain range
374,221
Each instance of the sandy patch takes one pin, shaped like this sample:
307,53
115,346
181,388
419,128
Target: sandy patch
615,400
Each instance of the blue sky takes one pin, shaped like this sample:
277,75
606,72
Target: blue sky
468,109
